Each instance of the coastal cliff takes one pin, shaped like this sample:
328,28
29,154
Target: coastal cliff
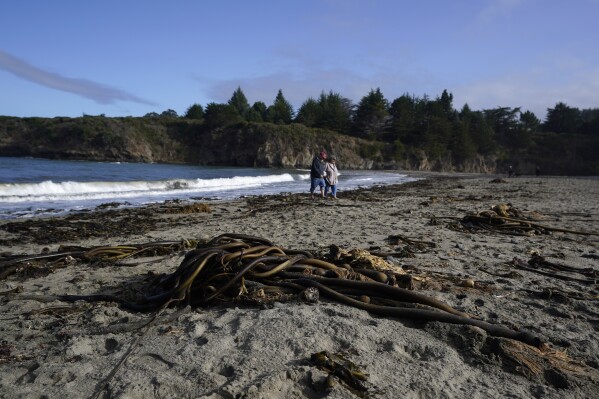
177,140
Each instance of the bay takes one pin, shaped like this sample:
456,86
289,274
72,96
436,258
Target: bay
38,187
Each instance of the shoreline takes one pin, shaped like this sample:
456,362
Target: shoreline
131,186
229,350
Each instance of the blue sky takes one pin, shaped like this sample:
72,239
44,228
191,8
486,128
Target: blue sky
125,57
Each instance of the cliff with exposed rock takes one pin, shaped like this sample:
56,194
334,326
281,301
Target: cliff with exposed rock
179,140
176,141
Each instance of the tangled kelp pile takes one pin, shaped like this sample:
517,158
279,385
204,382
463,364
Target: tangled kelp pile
505,219
236,268
242,268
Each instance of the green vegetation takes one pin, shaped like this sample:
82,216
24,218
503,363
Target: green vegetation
398,131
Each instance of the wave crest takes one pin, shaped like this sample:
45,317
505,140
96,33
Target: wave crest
71,190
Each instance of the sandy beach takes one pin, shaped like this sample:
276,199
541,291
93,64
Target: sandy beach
539,277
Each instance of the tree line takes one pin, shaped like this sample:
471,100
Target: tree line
405,123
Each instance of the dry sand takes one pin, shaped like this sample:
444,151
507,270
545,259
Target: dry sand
64,350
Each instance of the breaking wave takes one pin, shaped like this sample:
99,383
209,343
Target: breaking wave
71,190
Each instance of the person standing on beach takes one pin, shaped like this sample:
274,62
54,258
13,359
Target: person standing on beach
330,176
317,173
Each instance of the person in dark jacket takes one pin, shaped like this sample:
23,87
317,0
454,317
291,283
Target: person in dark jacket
317,173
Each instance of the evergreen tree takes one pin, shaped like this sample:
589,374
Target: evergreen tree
239,102
334,112
529,121
465,112
446,102
219,115
331,111
590,121
437,136
481,134
260,108
195,111
461,144
372,115
563,119
308,113
443,107
254,116
281,111
403,123
503,121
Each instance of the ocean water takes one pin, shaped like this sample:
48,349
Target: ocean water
34,187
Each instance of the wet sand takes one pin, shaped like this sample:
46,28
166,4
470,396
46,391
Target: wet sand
56,349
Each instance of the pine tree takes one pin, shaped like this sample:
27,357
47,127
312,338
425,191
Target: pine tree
308,113
281,111
240,102
372,115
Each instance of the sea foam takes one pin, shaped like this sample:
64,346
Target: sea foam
70,190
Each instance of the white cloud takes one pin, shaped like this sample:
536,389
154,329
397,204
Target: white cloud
85,88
